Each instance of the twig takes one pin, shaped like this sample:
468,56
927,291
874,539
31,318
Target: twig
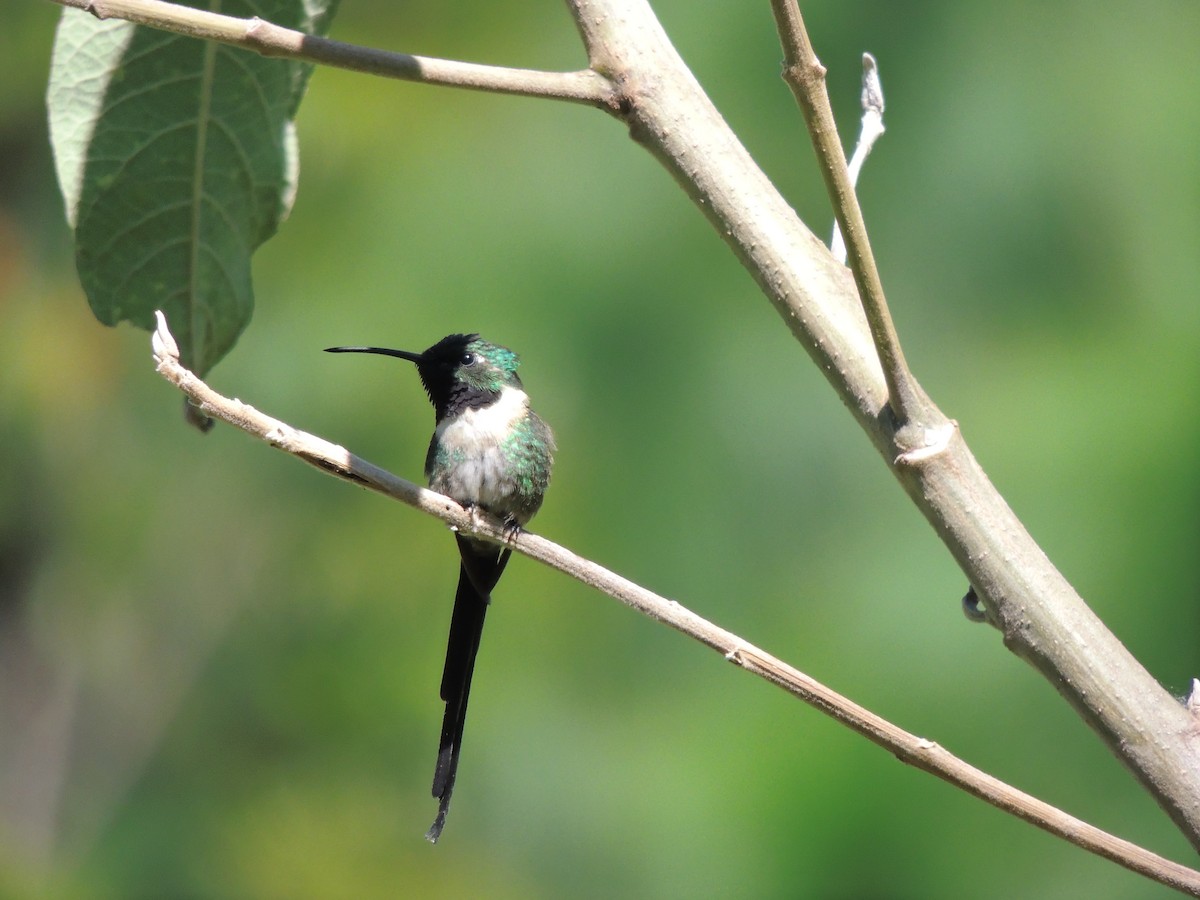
806,76
870,131
907,747
268,39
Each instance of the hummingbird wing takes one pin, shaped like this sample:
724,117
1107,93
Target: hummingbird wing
481,567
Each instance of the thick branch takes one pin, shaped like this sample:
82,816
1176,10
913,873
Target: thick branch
907,747
1041,616
268,39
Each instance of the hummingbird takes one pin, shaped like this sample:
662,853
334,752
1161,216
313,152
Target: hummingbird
489,451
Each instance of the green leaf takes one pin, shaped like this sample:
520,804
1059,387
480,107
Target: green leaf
176,158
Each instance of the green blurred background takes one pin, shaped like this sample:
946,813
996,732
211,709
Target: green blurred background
219,669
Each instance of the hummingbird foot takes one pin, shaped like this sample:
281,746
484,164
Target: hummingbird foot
478,519
481,519
512,528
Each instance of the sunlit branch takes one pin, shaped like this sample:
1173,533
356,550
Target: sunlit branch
869,132
907,747
268,39
806,76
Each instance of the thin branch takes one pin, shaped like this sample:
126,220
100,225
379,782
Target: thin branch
907,747
869,132
268,39
806,76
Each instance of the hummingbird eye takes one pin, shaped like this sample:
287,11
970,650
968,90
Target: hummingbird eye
468,359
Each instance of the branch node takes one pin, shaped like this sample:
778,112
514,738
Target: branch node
937,440
972,606
162,342
277,436
255,28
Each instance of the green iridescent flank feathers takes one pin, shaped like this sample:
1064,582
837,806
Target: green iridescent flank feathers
528,449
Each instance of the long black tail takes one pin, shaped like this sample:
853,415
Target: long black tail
482,565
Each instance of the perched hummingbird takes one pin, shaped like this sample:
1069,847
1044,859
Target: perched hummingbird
489,450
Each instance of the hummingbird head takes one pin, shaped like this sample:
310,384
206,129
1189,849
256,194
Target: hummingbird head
461,371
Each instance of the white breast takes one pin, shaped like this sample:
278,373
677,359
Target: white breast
478,430
472,440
